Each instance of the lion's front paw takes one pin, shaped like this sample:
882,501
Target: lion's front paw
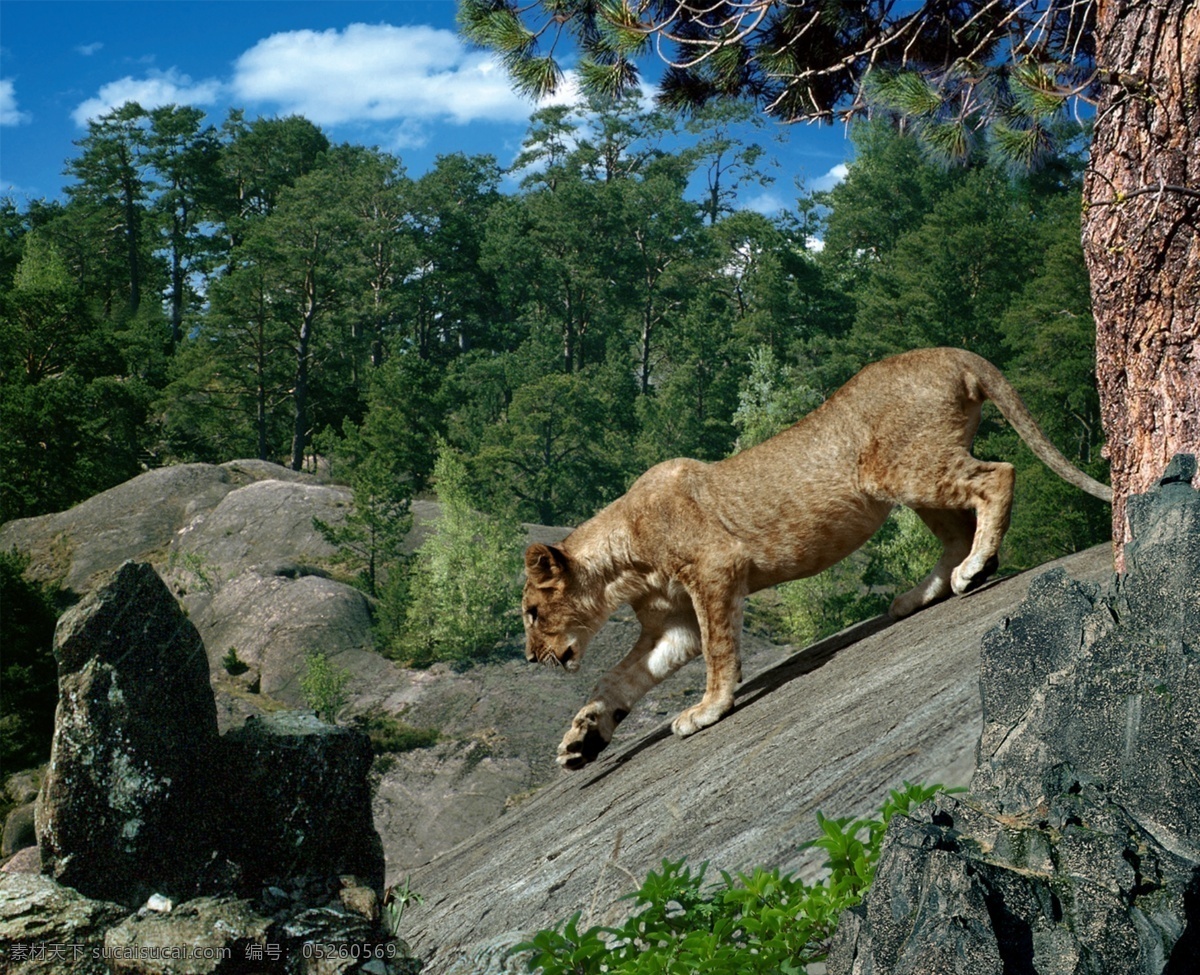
588,736
699,716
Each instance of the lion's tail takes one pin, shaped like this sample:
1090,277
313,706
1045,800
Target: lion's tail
1007,400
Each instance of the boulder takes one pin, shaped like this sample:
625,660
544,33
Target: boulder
266,523
299,800
26,860
123,809
125,522
1078,849
272,621
19,830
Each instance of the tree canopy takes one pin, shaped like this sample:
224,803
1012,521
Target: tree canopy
1014,76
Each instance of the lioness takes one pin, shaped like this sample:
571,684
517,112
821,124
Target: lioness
689,540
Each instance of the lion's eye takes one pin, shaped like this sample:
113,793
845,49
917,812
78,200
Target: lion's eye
531,615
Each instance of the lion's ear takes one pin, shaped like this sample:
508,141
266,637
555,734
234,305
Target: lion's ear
545,564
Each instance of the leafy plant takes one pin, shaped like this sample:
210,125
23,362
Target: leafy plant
463,586
324,686
233,664
772,398
207,577
395,902
763,922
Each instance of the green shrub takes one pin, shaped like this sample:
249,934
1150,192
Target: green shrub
764,922
391,735
463,591
370,542
28,672
324,686
233,664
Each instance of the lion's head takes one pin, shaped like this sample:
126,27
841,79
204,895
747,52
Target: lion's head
559,621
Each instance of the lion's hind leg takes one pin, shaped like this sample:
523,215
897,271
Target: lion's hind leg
965,488
956,531
991,487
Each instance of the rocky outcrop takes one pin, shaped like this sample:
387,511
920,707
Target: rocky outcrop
245,851
143,797
832,727
1078,849
135,734
236,545
200,937
299,800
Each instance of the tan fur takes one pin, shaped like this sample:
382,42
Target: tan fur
689,540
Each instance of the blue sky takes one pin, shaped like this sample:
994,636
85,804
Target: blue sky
390,74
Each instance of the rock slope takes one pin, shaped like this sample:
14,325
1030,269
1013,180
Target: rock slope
832,727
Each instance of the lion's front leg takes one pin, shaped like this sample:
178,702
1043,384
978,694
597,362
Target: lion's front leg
718,605
666,643
589,734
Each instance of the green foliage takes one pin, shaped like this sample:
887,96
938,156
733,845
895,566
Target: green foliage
395,902
772,398
463,589
613,311
391,735
323,685
233,664
196,569
28,672
371,540
764,921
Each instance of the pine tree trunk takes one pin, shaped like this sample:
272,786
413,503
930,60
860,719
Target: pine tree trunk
1141,238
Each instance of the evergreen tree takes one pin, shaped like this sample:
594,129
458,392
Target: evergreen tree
464,589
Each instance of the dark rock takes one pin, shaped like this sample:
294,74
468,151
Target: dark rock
19,830
123,810
299,800
1078,850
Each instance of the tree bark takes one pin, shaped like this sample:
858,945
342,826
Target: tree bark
1141,238
300,393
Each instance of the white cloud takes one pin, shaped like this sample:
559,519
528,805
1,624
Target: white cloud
377,73
157,89
87,50
831,178
769,202
9,113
